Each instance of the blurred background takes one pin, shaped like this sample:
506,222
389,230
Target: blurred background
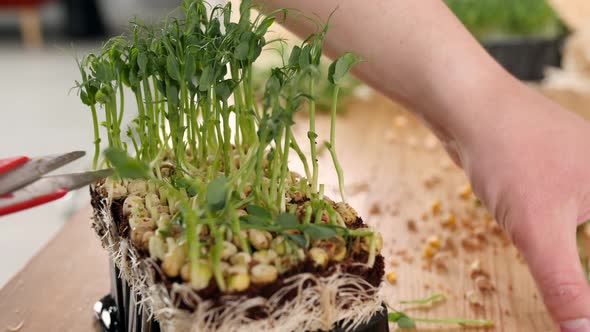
544,42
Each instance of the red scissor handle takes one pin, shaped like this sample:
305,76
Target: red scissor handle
33,202
10,163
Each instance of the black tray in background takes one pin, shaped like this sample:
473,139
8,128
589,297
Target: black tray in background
526,58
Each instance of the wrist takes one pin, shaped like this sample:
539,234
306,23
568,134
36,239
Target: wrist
480,106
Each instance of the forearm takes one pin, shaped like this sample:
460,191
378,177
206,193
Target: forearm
417,52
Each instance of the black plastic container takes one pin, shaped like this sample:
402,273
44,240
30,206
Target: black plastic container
119,312
526,58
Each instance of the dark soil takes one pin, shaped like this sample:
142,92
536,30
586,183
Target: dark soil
372,275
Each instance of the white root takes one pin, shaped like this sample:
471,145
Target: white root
323,302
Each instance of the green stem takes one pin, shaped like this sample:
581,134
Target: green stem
284,170
312,136
332,145
459,321
301,155
96,136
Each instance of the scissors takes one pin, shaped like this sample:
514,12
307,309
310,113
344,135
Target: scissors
23,183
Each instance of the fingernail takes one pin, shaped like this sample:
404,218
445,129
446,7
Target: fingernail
576,325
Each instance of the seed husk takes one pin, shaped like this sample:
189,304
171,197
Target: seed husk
229,249
241,258
238,282
265,256
259,239
319,256
157,247
201,275
137,187
173,261
348,214
263,274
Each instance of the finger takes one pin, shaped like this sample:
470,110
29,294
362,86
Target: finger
549,247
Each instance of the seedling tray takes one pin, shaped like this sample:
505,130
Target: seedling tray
119,312
526,58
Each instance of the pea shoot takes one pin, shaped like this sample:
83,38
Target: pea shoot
205,160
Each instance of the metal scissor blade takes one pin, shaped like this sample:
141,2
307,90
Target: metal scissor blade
50,185
32,170
75,180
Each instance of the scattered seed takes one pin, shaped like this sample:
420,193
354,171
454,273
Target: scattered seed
435,207
428,251
449,221
433,241
431,181
476,269
465,191
471,242
375,209
474,297
391,277
411,223
483,283
440,259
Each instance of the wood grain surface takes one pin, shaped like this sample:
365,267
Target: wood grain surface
394,171
56,290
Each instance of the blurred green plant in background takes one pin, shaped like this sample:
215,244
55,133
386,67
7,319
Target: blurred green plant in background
507,18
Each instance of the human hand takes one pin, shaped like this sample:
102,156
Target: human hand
529,162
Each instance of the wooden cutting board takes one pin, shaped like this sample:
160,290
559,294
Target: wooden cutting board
394,170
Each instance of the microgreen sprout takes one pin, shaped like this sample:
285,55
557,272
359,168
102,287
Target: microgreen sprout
403,320
197,114
427,300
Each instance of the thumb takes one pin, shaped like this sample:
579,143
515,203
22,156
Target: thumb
548,244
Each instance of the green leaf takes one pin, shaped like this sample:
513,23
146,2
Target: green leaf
242,51
191,187
125,166
227,15
258,211
245,7
264,25
142,61
299,239
339,68
255,222
86,99
206,78
103,72
217,193
402,320
319,231
190,66
224,89
214,28
287,221
406,322
103,95
173,67
294,57
304,57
